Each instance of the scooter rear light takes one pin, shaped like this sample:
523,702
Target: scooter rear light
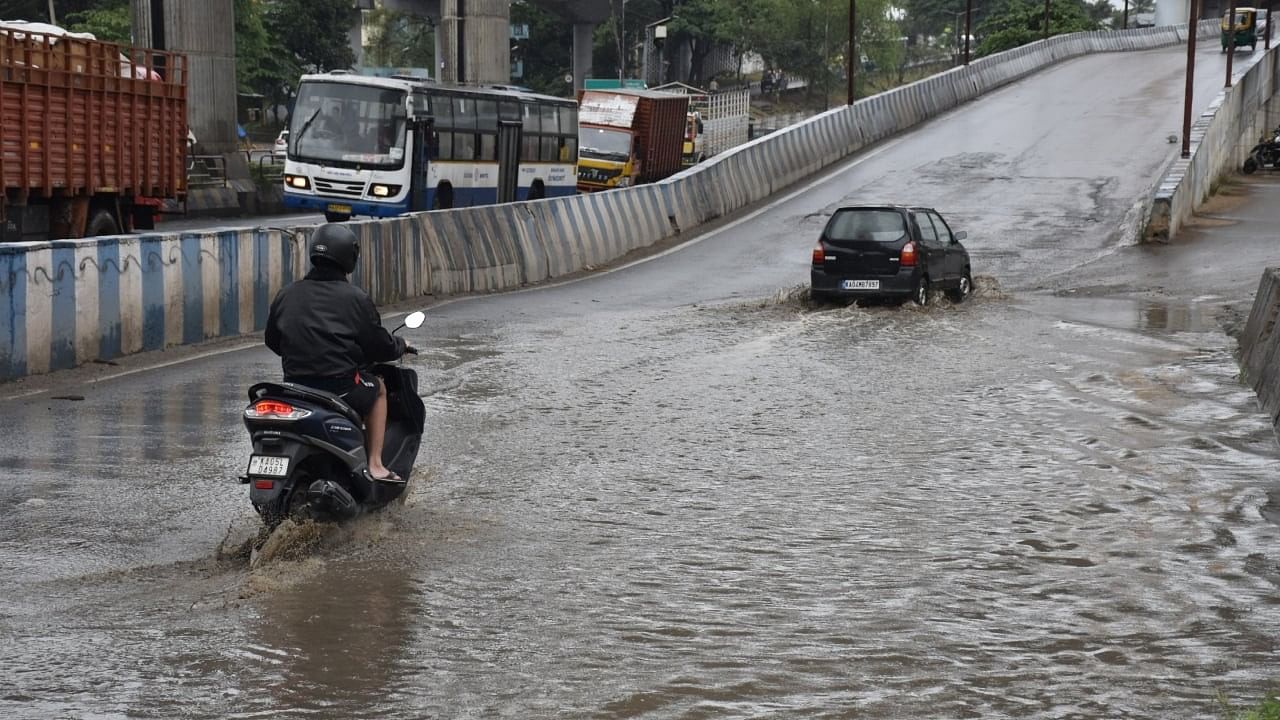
264,484
274,410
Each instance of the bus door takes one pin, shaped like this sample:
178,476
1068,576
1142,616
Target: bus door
424,143
508,161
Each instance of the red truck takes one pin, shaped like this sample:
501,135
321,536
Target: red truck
628,137
92,140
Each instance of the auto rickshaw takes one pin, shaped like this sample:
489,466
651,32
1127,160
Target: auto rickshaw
1245,30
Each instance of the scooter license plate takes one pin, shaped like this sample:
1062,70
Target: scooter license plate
269,466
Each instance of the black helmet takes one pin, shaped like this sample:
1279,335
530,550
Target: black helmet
337,245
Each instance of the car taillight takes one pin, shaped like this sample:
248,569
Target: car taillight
819,254
275,410
908,256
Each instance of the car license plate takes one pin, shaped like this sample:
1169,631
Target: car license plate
861,285
340,209
269,465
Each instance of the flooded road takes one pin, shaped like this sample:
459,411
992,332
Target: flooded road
1007,508
679,491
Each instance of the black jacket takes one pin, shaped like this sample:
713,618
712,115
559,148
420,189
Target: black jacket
324,327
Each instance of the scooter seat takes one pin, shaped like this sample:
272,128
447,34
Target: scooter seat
302,392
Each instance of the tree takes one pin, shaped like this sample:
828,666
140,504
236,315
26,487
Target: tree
702,25
398,39
313,32
109,20
1022,21
548,53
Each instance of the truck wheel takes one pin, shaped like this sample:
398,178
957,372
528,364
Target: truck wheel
144,218
101,223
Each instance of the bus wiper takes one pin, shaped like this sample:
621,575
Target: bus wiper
297,142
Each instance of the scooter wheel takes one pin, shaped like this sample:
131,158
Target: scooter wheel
1250,166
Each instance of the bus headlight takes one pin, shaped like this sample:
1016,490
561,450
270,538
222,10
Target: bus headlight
298,182
384,191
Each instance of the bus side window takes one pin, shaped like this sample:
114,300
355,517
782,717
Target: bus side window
529,148
464,146
445,145
550,149
569,149
530,113
487,123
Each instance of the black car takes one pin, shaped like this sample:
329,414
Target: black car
890,251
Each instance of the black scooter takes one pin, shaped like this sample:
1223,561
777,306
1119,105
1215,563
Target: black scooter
309,459
1265,154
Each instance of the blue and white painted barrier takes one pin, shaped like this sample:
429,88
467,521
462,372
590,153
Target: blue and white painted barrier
69,302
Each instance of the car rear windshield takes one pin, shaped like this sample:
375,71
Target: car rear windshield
866,225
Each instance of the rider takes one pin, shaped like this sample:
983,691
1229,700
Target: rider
328,331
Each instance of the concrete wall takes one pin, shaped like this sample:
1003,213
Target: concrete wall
1220,141
64,303
1260,344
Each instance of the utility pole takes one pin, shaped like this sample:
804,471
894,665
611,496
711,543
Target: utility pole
1231,40
1046,19
968,21
53,18
853,49
1125,26
1267,42
1192,26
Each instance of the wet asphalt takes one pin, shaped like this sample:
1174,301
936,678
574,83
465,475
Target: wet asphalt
681,490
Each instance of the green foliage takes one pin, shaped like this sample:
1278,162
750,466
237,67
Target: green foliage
1268,709
313,33
934,18
110,20
398,39
1022,21
548,53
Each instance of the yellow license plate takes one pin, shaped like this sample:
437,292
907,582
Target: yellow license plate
343,209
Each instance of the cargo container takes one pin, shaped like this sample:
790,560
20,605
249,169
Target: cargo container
628,137
93,139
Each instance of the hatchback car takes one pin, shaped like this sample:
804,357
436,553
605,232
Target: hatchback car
892,252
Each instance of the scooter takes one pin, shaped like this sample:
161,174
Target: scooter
309,459
1265,154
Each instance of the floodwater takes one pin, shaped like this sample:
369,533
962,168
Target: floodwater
1014,507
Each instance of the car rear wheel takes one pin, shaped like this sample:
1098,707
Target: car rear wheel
921,294
963,290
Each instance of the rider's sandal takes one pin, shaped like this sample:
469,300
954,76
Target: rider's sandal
391,478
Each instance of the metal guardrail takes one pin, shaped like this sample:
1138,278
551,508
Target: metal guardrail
271,167
206,171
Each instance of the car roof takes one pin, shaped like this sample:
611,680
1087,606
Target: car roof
896,208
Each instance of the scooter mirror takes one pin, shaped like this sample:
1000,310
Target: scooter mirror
415,320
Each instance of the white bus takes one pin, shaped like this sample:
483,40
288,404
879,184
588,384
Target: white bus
381,147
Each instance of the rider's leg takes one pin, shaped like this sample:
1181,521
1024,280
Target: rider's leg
376,426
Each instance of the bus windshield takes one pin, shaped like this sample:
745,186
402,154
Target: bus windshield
604,144
349,124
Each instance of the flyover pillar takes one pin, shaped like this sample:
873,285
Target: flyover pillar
203,30
474,41
583,44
